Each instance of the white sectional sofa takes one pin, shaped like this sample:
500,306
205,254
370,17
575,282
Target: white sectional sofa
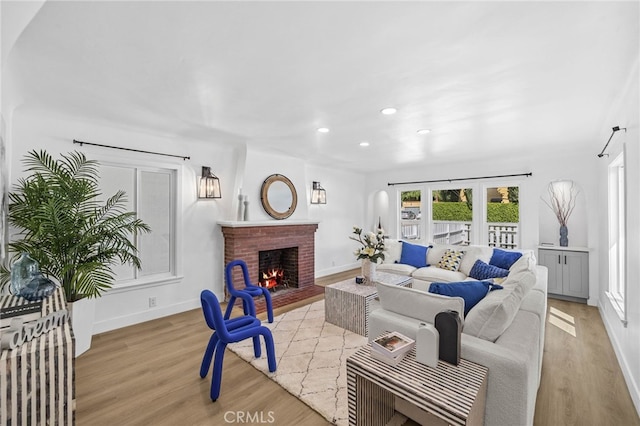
504,331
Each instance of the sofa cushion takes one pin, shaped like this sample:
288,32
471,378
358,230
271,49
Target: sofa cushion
483,271
392,251
526,262
414,255
472,253
396,268
503,258
433,273
493,314
417,304
451,259
471,291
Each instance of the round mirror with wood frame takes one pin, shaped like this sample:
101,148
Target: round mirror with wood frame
278,196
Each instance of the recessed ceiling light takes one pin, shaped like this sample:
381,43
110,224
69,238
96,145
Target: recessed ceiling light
364,143
323,130
388,111
424,131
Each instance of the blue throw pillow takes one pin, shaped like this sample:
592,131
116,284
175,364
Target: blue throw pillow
414,255
471,291
504,259
484,271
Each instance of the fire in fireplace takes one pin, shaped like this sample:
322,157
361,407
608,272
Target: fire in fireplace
272,278
278,268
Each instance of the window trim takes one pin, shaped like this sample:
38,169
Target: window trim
177,169
618,300
479,227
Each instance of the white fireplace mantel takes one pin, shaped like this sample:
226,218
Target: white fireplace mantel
252,223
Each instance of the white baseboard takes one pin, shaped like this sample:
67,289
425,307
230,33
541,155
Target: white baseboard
336,270
632,384
148,315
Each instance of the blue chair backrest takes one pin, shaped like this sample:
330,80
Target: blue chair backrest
228,274
213,314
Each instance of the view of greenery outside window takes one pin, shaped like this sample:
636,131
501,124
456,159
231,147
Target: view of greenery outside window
452,216
503,216
410,215
617,232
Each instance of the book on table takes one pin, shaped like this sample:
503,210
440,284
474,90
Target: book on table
392,345
28,312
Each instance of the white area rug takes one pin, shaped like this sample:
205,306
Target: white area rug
311,357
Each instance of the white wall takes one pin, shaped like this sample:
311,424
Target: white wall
345,208
538,223
202,243
201,240
625,340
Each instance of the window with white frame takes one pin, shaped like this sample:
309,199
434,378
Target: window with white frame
617,231
452,216
152,193
410,214
503,216
449,217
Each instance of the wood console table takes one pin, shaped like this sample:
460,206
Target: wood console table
37,385
447,395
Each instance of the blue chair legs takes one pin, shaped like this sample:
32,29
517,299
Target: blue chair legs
248,306
217,352
227,331
232,324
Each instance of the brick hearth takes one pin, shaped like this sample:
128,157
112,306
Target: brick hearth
244,240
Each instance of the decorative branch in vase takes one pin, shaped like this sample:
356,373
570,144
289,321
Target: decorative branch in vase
562,201
371,251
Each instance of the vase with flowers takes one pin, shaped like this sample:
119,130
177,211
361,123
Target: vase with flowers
371,251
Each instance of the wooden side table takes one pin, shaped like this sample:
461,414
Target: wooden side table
346,304
37,379
447,395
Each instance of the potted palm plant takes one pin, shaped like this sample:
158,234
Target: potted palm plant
75,238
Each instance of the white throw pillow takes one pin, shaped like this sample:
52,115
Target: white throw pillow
495,313
417,304
392,251
474,253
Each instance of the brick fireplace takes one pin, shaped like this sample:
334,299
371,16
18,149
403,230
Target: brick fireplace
245,240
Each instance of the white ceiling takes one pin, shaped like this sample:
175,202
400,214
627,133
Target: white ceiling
511,78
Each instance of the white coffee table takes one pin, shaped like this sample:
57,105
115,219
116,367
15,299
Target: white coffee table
346,304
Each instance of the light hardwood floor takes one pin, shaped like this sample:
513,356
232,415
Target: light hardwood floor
147,374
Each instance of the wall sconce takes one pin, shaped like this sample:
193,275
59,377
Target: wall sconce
209,185
318,194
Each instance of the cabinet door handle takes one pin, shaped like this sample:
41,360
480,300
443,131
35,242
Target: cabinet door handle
565,259
559,260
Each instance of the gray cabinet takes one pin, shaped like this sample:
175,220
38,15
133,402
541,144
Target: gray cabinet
568,272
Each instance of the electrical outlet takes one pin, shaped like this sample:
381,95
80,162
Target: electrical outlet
152,302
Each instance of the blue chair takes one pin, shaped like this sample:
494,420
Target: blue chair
247,293
230,331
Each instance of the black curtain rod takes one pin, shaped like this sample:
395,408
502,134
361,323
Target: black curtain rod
457,179
130,149
615,129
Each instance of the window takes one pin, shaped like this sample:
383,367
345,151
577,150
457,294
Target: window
410,215
152,193
452,216
451,219
617,231
503,216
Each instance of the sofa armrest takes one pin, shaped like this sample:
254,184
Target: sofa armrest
513,371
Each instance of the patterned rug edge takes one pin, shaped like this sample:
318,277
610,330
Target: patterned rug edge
350,343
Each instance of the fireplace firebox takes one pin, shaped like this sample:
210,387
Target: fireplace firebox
278,268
